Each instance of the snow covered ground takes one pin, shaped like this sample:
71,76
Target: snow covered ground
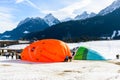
75,70
109,49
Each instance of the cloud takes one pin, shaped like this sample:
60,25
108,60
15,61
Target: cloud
32,4
78,7
6,17
19,1
68,10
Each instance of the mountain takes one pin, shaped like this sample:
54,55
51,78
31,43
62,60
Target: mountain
92,14
97,27
115,5
67,19
84,15
24,27
30,25
51,20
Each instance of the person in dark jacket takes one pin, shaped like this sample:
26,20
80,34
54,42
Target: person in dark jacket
66,59
12,55
117,56
7,54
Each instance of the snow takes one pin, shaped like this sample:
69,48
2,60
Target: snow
26,32
75,70
7,36
66,19
84,15
6,40
113,35
23,41
15,47
12,69
109,49
51,20
115,5
118,33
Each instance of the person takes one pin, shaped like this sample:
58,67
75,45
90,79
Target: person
16,55
73,53
66,59
7,55
19,56
70,58
117,56
12,55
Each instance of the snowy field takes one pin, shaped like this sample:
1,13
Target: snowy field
108,49
75,70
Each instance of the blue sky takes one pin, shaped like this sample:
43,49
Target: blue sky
13,11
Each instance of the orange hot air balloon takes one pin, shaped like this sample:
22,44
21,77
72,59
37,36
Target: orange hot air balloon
47,50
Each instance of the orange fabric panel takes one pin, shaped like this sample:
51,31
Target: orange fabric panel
47,50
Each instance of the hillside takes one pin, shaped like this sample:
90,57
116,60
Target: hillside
24,27
98,27
29,25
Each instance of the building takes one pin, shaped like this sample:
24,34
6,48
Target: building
4,43
12,46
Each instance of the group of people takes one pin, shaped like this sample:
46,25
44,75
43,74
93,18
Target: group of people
7,54
69,58
12,54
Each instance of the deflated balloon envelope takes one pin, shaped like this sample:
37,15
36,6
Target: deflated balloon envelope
47,50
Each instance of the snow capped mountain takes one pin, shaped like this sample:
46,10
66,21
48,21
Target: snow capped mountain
28,25
32,20
115,5
91,15
84,15
66,19
51,20
24,27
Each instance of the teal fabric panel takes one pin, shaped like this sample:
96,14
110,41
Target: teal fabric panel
93,55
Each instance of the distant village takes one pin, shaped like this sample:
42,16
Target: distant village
12,47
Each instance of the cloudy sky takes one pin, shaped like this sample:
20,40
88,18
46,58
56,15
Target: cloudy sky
13,11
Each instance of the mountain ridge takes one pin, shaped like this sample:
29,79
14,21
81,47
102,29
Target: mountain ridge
51,20
115,5
92,28
24,27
